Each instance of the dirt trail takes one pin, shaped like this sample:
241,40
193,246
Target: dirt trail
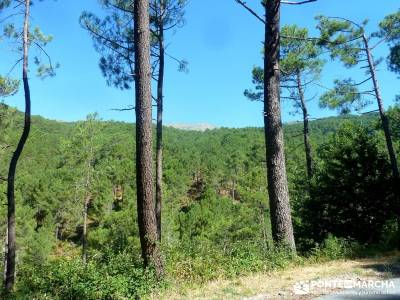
281,284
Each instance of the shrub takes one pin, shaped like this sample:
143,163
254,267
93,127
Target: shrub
336,248
119,278
204,262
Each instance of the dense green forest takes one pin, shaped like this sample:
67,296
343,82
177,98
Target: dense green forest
215,213
101,209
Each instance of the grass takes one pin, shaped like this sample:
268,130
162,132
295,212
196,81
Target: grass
279,283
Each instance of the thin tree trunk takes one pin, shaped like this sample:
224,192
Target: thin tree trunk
88,198
386,129
144,178
233,189
160,100
11,249
384,119
263,227
56,231
281,220
5,254
306,130
84,233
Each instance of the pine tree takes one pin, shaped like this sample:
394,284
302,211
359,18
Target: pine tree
144,160
26,38
81,152
11,237
112,37
349,41
281,220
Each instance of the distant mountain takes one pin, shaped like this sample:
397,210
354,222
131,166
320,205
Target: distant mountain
193,127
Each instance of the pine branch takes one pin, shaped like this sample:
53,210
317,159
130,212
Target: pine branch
124,109
378,43
347,20
109,42
297,3
369,112
121,8
10,16
243,3
288,97
47,55
13,67
364,81
351,93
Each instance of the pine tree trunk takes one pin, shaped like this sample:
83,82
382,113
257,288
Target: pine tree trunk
144,178
384,119
306,130
5,254
11,247
281,220
56,232
84,233
160,100
233,189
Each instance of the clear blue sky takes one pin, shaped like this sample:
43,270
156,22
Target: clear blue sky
221,42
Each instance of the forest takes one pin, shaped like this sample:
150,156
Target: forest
103,209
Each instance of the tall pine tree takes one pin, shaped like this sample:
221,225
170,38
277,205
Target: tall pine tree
144,152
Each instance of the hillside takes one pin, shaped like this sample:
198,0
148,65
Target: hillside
187,152
215,213
193,159
211,156
47,134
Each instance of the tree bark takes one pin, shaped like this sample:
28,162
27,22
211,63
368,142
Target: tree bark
384,119
160,103
281,220
306,130
144,178
11,247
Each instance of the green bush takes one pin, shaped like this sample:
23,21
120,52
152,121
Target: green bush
336,248
119,278
390,235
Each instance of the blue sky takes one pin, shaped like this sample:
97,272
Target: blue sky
221,42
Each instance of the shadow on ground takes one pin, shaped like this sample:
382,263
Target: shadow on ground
392,269
391,274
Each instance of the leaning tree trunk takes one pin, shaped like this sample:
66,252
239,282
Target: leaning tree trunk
306,129
384,119
160,100
386,128
144,178
281,220
11,246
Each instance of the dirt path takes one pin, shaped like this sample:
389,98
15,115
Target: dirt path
282,284
378,290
